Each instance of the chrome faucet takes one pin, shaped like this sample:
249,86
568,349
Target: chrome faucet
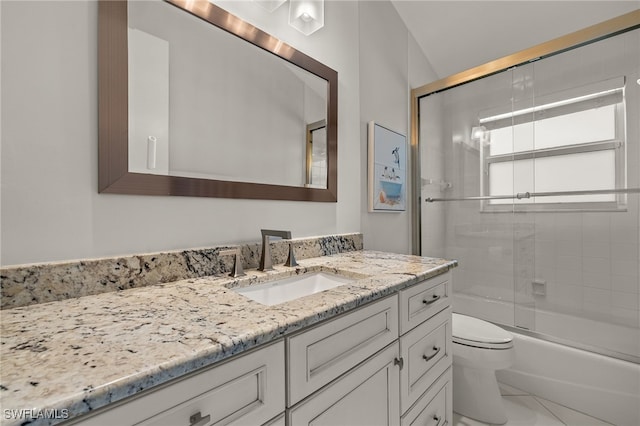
266,262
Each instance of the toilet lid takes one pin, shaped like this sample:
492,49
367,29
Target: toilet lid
476,332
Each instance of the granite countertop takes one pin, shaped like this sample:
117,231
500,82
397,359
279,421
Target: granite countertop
78,355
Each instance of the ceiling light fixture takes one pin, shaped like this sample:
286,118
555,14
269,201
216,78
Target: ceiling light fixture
307,16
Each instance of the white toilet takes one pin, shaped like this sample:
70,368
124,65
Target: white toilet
479,349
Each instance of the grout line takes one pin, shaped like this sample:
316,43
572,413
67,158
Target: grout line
575,411
540,400
550,412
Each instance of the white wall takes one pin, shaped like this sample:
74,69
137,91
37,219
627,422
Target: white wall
51,209
391,64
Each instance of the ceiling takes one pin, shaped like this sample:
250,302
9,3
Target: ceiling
458,35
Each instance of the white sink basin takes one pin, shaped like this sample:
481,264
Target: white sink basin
291,288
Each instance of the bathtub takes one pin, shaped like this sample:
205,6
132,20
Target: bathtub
598,385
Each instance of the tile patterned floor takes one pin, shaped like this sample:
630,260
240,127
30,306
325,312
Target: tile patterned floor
528,410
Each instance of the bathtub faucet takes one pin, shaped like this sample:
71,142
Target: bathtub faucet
266,262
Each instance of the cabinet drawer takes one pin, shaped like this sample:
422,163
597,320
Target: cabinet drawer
367,395
320,355
427,353
245,390
435,407
423,300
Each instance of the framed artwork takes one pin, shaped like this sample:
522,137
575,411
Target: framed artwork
387,169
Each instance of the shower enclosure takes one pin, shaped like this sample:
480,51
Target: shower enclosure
530,178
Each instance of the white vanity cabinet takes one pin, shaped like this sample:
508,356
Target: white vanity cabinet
246,390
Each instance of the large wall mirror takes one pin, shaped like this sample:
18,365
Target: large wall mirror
194,101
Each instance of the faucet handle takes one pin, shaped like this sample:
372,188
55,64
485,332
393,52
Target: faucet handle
237,261
291,260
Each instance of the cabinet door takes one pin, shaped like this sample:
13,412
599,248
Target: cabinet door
368,396
247,390
321,354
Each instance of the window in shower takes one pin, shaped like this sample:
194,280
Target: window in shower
561,143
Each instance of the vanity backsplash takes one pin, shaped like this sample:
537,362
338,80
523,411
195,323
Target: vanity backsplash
39,283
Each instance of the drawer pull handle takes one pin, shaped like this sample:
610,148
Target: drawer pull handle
430,357
198,420
399,362
437,419
433,300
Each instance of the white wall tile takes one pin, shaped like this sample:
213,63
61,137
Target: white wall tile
626,268
566,276
625,251
569,247
628,317
596,265
571,232
596,272
596,249
569,296
545,273
624,228
625,284
597,280
569,263
624,300
600,311
597,296
566,220
596,227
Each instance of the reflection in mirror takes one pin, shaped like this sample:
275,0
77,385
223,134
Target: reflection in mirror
236,112
316,163
210,114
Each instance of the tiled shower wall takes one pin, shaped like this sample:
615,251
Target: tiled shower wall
590,263
585,264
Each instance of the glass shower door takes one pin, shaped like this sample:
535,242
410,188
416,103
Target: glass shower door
585,281
530,179
457,222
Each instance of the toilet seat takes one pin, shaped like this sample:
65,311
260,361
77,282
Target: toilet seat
474,332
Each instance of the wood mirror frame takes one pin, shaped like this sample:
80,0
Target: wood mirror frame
113,152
